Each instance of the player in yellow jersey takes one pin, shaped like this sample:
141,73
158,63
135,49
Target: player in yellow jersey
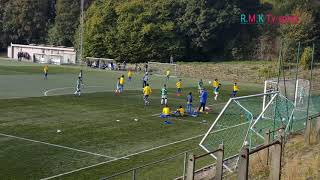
45,72
235,90
180,111
215,84
165,112
146,93
168,74
179,86
121,83
129,75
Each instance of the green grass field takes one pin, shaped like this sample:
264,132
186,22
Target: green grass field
97,128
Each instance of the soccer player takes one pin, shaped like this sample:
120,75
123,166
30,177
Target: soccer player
215,84
78,87
168,75
203,100
200,85
180,111
179,85
165,112
235,90
117,91
146,93
45,72
145,79
216,92
81,76
129,75
189,102
121,83
164,95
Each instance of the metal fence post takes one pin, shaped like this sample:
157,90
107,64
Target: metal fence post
266,142
243,164
134,174
275,172
318,129
190,168
219,165
185,165
307,131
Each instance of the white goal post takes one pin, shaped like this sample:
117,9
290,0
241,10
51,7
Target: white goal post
161,68
294,90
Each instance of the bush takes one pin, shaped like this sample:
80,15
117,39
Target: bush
306,58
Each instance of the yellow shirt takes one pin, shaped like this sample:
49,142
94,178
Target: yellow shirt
45,69
147,90
129,74
121,81
215,83
168,73
235,88
178,84
181,110
166,111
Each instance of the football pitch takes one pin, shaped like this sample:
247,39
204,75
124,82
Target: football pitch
99,133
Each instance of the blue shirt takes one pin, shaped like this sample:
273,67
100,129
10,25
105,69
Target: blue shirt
203,97
189,98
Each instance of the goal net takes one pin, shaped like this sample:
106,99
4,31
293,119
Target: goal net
162,68
242,121
297,91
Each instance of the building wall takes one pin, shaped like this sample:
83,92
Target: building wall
44,54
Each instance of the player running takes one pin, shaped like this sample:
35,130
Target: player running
45,72
215,84
216,92
179,85
78,88
235,90
200,85
164,95
121,83
81,77
146,93
129,75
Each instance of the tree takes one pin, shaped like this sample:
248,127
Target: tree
66,23
24,21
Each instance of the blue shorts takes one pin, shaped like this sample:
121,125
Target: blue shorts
164,116
179,90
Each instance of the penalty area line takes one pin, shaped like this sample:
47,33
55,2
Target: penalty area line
56,145
124,157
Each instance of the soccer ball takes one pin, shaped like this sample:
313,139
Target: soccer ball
58,131
118,120
209,82
135,119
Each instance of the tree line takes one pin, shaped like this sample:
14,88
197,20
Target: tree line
140,30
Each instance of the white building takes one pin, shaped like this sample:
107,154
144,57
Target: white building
42,54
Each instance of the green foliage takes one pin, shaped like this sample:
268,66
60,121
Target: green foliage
66,23
23,21
306,58
302,32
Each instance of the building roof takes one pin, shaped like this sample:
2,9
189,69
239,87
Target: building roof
35,46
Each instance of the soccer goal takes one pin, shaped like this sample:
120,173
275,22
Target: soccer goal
242,122
161,68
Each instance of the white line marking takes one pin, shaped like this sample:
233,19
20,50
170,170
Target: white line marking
124,157
197,122
63,88
56,145
153,115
